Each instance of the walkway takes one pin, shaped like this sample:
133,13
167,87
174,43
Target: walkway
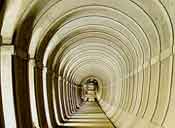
89,115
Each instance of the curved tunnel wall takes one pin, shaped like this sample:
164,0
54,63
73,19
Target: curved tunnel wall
49,47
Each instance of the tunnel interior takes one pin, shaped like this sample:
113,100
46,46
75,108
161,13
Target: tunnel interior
87,63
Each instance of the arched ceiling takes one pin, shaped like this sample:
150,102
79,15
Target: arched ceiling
116,41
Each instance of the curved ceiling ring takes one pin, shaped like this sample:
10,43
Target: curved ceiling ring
97,34
85,59
157,2
67,73
80,63
75,9
120,70
53,3
61,48
77,67
57,55
96,15
72,74
170,23
72,48
92,15
82,51
78,57
167,22
90,72
82,56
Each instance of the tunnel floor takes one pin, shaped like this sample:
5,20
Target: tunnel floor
90,115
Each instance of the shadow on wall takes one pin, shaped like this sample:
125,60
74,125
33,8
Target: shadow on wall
2,10
21,40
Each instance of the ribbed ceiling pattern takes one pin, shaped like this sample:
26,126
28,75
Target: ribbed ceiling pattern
126,45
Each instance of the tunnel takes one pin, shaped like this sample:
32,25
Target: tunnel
87,64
